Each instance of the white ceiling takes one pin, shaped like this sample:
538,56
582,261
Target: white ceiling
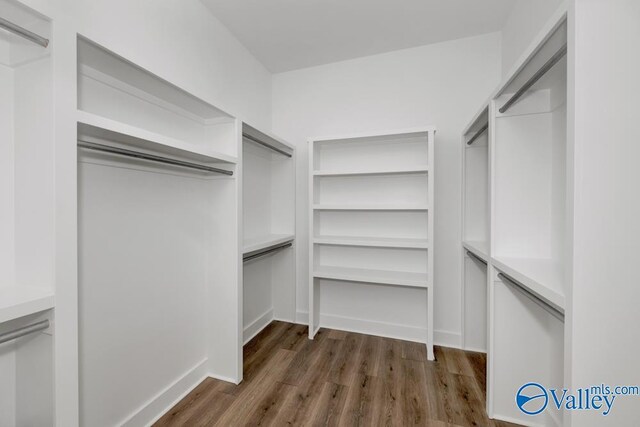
290,34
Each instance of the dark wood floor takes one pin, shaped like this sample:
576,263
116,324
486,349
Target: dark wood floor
340,378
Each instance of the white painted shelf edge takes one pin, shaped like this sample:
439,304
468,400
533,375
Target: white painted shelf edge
341,137
376,242
398,278
543,277
347,207
19,301
254,244
478,248
389,171
95,126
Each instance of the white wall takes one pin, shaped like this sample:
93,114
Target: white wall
442,85
523,24
605,296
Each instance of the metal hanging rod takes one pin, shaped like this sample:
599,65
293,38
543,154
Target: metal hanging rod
25,330
150,157
554,311
24,33
477,134
266,251
476,257
541,72
264,144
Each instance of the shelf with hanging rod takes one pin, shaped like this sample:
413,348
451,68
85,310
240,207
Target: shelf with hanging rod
20,301
96,129
24,331
23,32
150,157
266,251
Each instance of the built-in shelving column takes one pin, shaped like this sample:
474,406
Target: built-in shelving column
475,231
371,226
268,205
529,229
27,230
159,240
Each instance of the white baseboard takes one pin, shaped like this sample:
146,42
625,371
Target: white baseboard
302,317
256,326
447,339
151,411
383,329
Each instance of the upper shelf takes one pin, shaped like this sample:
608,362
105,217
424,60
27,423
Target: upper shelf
543,277
264,139
19,301
259,243
374,171
348,207
92,127
97,62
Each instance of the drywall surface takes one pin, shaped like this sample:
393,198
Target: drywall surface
524,22
441,85
603,304
182,42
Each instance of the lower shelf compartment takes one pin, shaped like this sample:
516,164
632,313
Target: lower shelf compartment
398,278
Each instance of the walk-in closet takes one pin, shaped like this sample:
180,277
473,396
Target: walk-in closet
358,213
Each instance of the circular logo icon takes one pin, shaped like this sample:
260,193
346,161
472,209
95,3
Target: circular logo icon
532,398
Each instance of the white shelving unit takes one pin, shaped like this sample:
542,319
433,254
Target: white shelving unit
27,230
372,223
160,249
475,231
529,228
268,188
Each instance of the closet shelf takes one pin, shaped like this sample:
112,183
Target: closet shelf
259,243
19,301
478,248
543,277
375,242
369,207
92,127
369,171
397,278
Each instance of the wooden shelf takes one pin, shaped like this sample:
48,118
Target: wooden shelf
398,278
375,242
543,277
93,128
390,171
480,249
347,207
19,301
255,244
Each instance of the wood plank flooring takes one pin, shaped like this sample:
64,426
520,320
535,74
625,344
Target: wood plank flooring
340,379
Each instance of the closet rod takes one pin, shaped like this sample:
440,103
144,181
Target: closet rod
151,157
266,251
557,313
25,330
24,33
476,257
477,134
541,72
264,144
